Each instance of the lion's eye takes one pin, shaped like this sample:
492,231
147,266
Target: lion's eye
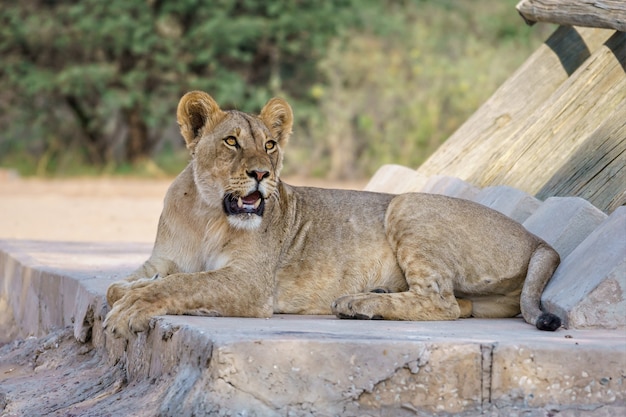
231,141
269,145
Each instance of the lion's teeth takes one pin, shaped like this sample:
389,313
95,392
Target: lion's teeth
257,204
240,203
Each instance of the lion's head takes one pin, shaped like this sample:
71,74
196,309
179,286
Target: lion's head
236,157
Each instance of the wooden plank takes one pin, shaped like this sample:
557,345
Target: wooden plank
560,126
484,136
597,170
609,14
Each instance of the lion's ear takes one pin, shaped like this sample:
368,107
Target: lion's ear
278,117
197,113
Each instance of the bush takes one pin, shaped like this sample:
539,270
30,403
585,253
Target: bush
395,92
95,84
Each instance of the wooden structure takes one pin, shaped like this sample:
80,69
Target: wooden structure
557,126
608,14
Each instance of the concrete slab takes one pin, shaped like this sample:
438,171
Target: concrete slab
589,287
564,222
312,366
429,367
43,283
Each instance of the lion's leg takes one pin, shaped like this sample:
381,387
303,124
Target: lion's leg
428,298
465,306
216,293
497,305
152,269
428,271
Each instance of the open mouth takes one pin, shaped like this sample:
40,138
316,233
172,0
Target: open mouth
253,203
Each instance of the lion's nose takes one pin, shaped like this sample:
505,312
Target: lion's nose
259,175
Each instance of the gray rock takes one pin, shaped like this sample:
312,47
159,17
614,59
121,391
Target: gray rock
589,288
450,186
509,201
564,222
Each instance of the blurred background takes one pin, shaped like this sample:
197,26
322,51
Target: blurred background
90,87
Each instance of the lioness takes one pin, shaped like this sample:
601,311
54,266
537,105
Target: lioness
234,240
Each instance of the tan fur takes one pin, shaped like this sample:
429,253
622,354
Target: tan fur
316,251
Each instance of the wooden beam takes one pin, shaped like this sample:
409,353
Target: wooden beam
597,170
585,112
608,14
556,127
486,135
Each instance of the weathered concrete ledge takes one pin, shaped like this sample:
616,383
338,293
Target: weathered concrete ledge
299,365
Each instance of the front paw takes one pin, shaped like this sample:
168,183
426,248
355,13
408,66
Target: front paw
131,315
116,291
357,306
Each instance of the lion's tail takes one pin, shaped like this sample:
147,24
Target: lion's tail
542,265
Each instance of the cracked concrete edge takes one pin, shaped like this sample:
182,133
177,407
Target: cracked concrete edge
273,378
524,376
284,376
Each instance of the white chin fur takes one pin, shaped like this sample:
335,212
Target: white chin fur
245,222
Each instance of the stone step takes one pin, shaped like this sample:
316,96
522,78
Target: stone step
48,285
305,365
588,290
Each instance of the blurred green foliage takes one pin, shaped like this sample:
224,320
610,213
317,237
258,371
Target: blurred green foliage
394,92
91,86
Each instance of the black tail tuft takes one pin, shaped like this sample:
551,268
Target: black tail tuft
548,322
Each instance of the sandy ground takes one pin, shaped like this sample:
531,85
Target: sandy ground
100,210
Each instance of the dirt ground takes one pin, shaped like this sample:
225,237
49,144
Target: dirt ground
93,209
56,376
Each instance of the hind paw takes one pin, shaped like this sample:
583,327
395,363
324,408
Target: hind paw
355,307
